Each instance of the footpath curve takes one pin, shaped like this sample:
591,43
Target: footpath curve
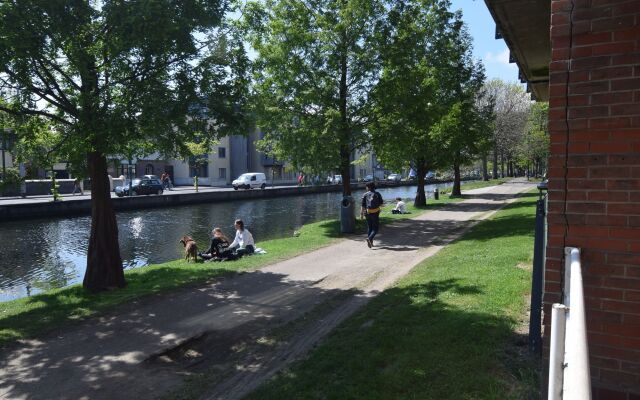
226,329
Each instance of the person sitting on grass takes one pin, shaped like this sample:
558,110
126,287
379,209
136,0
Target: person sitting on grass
243,242
401,207
219,247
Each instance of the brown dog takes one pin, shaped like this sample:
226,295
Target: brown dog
190,248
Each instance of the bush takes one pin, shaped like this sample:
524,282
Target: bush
10,180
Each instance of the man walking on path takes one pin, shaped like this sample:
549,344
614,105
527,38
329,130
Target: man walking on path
370,208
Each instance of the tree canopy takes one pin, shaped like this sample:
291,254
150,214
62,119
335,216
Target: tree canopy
428,79
112,76
317,62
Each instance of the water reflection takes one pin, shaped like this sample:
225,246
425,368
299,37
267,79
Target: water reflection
38,255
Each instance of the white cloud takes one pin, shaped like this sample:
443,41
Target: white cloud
499,58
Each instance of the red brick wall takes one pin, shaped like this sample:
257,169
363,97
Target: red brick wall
594,193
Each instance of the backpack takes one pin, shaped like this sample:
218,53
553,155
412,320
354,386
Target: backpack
373,199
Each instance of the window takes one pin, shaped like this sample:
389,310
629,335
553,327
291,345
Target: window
199,166
222,152
126,168
222,173
148,170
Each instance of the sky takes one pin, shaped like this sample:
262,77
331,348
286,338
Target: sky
493,52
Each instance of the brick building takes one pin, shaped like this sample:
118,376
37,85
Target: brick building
593,87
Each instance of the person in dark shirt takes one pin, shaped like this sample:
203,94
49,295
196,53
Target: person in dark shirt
370,209
218,248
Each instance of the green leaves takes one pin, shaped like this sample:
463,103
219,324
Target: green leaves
114,73
426,71
317,63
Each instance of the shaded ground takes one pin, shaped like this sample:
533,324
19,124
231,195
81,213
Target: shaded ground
150,348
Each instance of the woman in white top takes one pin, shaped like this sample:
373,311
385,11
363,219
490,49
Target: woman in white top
401,208
243,242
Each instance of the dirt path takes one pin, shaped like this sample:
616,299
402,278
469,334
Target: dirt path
237,332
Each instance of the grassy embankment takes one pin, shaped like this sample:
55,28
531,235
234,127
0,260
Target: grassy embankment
34,315
451,329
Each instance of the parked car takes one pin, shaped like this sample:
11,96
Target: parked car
250,180
368,178
394,177
430,175
151,177
140,186
337,179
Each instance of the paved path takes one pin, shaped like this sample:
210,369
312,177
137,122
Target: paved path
149,347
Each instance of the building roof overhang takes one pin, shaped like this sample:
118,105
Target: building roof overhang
524,25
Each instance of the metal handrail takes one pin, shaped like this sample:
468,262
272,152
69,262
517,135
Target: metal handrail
569,375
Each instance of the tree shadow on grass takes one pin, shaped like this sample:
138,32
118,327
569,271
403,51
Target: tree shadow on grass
412,342
121,355
61,307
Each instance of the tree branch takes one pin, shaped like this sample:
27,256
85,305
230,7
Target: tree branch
25,111
62,73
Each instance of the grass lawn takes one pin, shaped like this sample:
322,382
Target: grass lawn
448,330
34,315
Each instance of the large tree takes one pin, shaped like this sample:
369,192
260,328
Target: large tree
421,59
511,109
108,74
317,62
533,150
461,134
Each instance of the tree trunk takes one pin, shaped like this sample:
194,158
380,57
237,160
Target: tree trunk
347,220
104,265
502,165
485,171
421,197
456,180
495,163
345,170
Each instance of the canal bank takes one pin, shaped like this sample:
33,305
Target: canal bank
42,253
43,207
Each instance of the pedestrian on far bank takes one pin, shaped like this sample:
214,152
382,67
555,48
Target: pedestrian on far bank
243,242
370,209
401,207
167,181
163,178
77,187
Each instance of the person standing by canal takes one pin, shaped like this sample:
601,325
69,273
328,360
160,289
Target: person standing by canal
77,187
370,209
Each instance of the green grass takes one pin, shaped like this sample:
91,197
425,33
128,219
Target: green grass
445,331
28,317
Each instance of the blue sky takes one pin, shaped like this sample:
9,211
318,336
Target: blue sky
493,53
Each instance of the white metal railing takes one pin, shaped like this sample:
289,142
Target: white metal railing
569,376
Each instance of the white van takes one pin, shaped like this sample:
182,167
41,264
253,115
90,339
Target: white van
250,180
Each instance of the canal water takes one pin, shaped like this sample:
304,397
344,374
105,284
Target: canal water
37,255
